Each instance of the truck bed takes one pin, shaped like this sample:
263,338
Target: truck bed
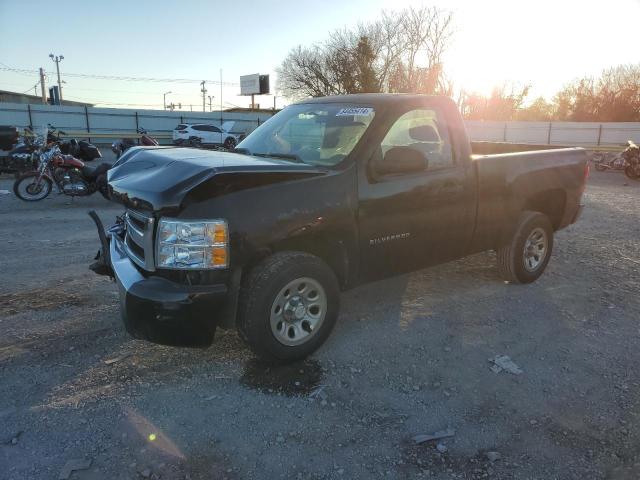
550,181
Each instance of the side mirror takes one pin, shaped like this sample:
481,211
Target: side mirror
400,160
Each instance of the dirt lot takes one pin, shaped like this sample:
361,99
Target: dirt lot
409,356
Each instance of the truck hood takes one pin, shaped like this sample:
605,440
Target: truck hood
159,178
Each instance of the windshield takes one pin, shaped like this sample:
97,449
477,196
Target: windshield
317,134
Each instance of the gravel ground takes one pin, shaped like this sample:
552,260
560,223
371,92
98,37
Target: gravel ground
408,356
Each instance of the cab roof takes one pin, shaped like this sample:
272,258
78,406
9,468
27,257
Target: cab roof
381,99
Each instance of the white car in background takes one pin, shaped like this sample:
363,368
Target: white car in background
206,134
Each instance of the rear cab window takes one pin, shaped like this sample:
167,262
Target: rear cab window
424,130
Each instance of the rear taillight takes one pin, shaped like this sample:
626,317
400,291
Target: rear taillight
587,171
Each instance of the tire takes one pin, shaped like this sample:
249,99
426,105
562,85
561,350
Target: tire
517,261
230,143
267,316
26,189
632,172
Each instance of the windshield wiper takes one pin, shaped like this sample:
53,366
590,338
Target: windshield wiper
284,156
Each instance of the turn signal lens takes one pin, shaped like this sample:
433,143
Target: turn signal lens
219,256
218,232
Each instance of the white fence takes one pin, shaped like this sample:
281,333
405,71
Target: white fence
102,121
98,122
555,133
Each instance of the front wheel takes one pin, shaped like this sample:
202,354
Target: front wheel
526,256
632,171
32,187
288,306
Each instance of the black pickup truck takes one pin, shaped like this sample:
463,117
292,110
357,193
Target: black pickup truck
328,194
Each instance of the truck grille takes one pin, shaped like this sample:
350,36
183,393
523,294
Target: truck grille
138,239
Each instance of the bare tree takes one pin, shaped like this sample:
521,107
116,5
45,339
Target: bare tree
400,52
614,96
503,104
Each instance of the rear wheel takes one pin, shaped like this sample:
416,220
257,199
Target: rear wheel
288,306
526,256
30,188
195,142
230,143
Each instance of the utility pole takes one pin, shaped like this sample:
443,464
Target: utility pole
204,96
57,59
211,97
220,96
164,99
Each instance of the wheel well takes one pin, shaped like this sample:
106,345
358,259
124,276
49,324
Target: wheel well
550,202
332,253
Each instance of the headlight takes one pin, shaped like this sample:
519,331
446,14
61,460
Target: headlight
192,245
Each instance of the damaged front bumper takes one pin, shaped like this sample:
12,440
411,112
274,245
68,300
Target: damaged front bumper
157,309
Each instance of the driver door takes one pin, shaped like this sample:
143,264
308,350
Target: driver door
411,214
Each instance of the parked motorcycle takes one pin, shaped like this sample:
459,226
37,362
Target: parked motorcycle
82,149
70,175
20,150
631,156
23,156
125,144
627,160
608,161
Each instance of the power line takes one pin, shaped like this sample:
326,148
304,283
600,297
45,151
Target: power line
29,89
25,71
98,102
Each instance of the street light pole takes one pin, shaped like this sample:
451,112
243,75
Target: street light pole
57,59
164,99
211,97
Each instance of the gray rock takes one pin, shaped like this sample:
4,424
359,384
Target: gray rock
493,456
503,362
441,447
73,465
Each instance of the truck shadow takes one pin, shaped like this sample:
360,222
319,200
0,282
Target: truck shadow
294,379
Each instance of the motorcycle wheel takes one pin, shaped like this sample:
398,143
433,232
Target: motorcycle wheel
633,172
27,187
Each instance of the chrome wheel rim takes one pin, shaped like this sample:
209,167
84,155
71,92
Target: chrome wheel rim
535,249
32,189
298,311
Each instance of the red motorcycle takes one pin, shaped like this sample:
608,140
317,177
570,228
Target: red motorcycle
71,176
125,144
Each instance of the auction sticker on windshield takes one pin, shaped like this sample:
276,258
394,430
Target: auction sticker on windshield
351,111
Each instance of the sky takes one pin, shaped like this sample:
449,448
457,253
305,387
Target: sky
541,43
